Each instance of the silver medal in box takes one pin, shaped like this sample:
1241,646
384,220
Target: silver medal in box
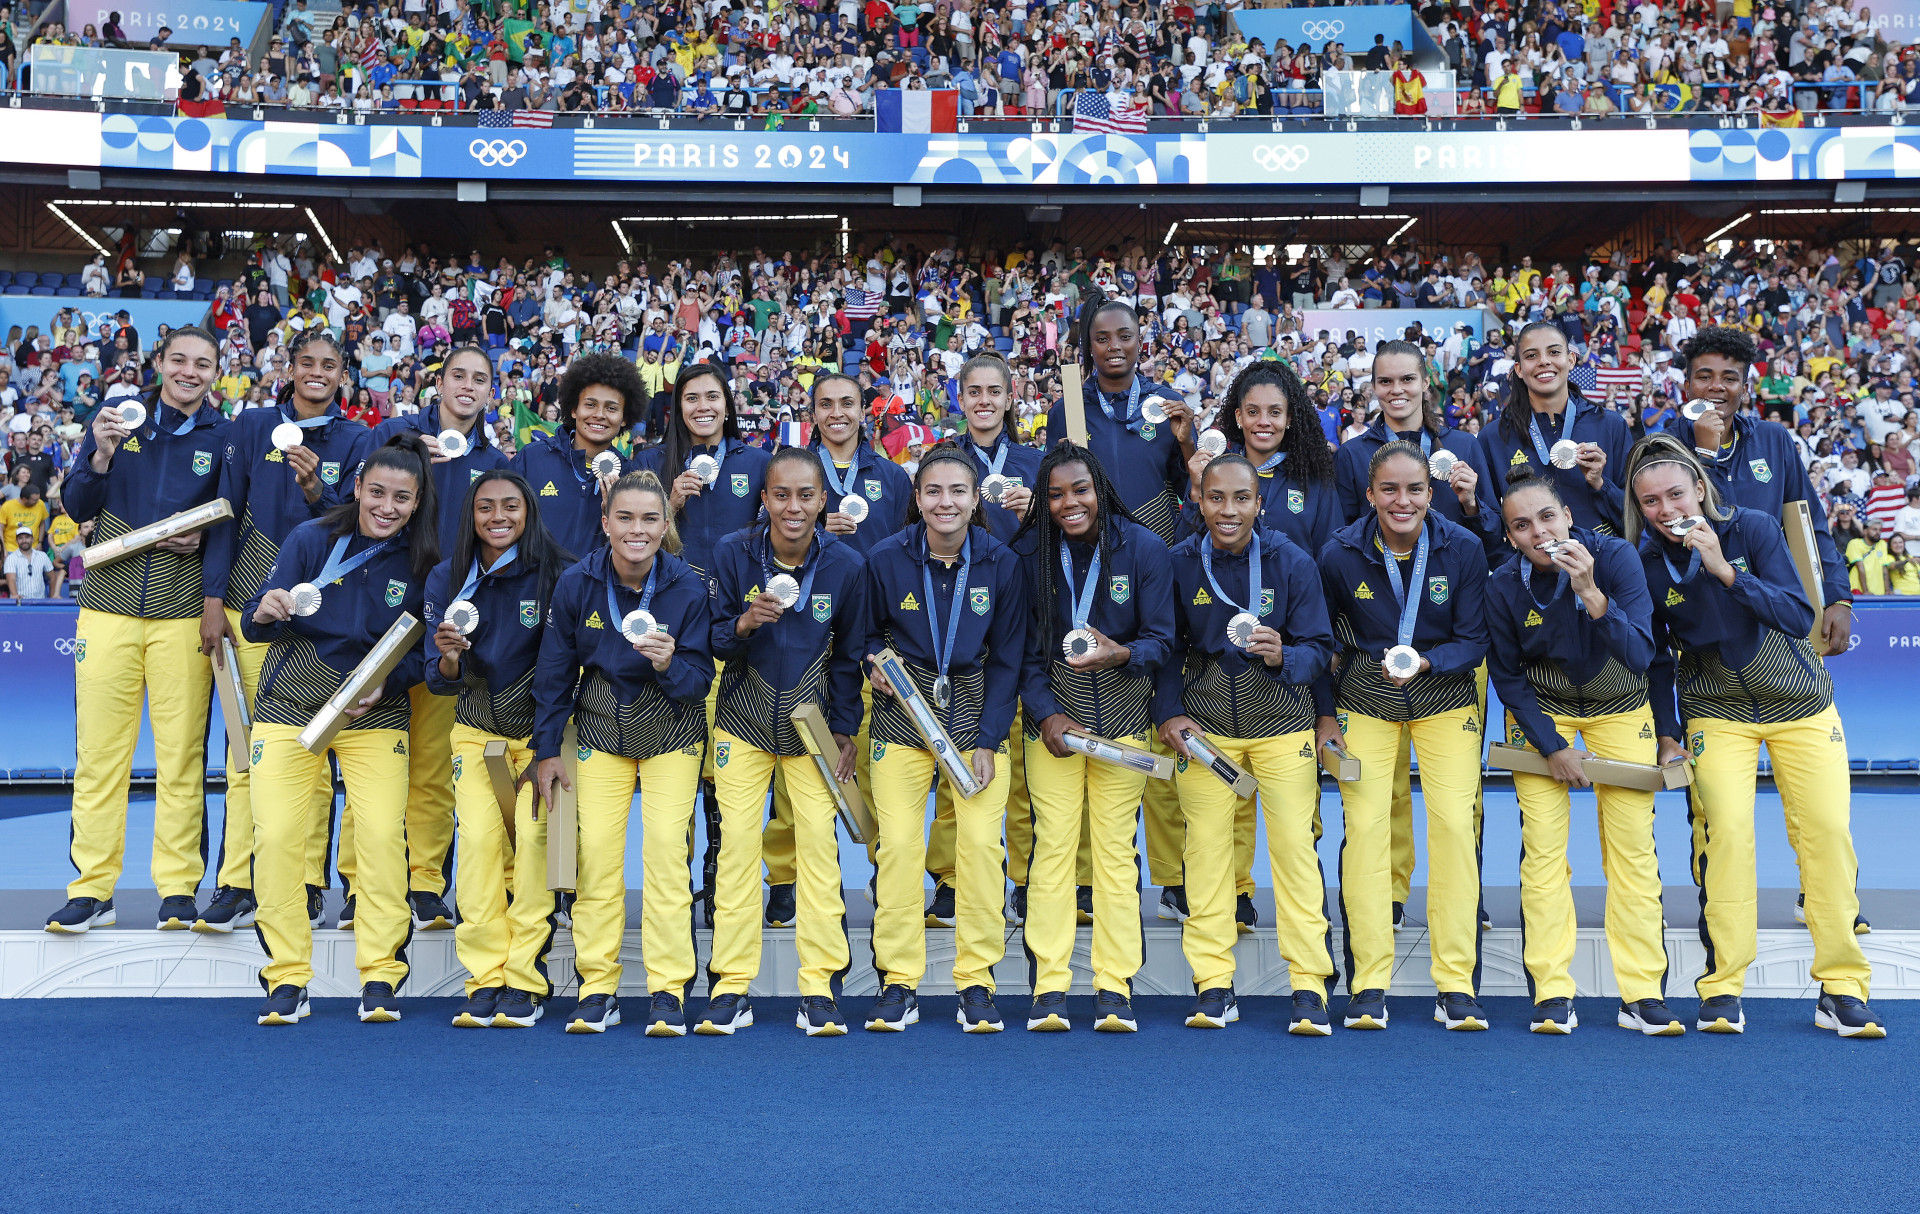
1681,526
1213,442
606,465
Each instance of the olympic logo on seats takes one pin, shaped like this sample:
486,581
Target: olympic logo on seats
1319,31
1280,157
502,152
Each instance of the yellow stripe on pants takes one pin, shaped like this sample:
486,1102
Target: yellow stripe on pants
900,778
1810,769
1635,937
742,774
1019,819
236,843
500,942
373,762
1080,805
429,797
776,842
1448,745
667,785
116,660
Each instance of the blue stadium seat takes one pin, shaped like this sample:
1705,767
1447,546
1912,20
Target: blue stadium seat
74,281
6,278
13,288
54,279
168,294
41,291
67,292
1003,344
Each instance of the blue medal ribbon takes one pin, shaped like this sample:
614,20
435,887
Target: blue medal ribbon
1409,602
340,565
840,489
1561,582
1132,421
1081,603
309,423
999,461
1693,564
1253,573
943,656
1540,446
1426,440
719,455
614,614
474,574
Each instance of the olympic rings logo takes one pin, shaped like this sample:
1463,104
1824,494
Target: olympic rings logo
1280,157
1319,31
502,152
65,645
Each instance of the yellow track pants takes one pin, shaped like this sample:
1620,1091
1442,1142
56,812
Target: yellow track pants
1635,937
1448,744
117,658
501,942
742,774
429,797
1081,804
604,795
1810,769
373,762
235,865
776,842
1162,813
1019,828
900,778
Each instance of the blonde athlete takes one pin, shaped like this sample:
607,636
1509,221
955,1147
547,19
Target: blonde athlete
951,601
782,650
1730,629
139,638
369,559
1094,572
1571,637
505,564
1403,583
639,708
1253,704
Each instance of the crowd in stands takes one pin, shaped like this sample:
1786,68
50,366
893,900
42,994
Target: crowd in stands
770,59
1837,328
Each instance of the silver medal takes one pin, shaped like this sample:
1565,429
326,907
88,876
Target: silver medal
306,598
463,615
637,624
1551,547
942,691
1681,526
1440,465
1154,410
1695,409
706,468
1078,643
1402,662
995,487
784,588
453,444
133,415
606,465
1240,628
854,507
1564,454
1213,442
287,436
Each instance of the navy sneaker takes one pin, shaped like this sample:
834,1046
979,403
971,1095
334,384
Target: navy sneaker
1113,1013
1309,1015
177,913
725,1014
1460,1012
518,1009
1651,1018
345,921
229,909
780,906
1049,1014
478,1011
1399,916
1017,906
377,1004
287,1005
430,912
1848,1016
1214,1009
1366,1010
665,1016
1721,1014
81,915
976,1013
1245,918
316,907
1083,904
1555,1016
1173,903
598,1013
820,1017
894,1010
940,910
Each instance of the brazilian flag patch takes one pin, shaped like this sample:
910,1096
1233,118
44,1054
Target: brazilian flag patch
259,748
980,599
396,590
1119,588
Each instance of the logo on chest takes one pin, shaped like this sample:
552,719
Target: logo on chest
1762,470
980,599
396,590
1437,589
202,462
738,481
1119,588
1296,501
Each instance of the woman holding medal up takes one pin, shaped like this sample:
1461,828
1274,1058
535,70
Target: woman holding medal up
1406,591
1730,628
1101,587
788,621
1250,639
1572,660
950,600
339,583
625,654
485,606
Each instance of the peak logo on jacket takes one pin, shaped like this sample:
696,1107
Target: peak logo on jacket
909,603
549,490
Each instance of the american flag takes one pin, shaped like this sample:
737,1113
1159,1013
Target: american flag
370,54
861,304
1092,115
1627,379
539,118
497,119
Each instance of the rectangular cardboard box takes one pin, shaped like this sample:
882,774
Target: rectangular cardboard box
1649,777
1132,758
818,738
563,821
372,671
134,542
233,707
1797,521
500,776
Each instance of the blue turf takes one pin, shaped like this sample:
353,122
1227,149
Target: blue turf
178,1103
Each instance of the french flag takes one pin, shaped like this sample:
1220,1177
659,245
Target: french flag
916,111
795,434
